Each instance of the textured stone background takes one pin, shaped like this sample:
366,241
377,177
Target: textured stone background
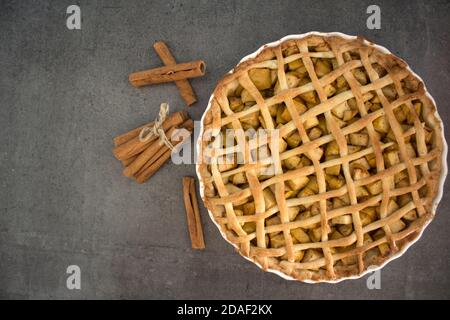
64,96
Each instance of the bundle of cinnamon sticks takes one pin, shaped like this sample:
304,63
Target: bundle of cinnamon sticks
142,158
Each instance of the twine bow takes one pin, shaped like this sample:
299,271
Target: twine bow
157,130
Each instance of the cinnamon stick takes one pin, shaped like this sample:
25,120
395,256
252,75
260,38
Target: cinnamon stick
170,73
135,146
155,166
146,155
161,156
193,213
142,175
131,134
185,88
127,162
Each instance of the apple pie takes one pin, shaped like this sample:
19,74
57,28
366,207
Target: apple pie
350,170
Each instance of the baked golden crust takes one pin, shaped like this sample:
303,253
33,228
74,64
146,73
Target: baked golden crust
374,163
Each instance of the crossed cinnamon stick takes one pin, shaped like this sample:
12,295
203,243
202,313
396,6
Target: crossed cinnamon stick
179,73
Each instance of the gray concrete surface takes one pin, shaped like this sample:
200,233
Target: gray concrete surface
64,95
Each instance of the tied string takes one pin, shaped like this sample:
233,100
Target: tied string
157,130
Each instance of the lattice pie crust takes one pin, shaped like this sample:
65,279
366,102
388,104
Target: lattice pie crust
359,162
